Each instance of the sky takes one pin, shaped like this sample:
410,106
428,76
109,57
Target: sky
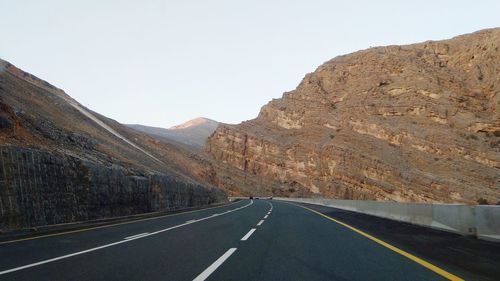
160,63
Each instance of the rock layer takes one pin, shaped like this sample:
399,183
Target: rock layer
415,123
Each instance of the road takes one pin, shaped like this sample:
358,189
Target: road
245,240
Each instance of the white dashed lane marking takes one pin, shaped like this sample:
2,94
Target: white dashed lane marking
204,275
137,235
245,238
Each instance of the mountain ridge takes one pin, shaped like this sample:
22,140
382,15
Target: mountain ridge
192,133
193,122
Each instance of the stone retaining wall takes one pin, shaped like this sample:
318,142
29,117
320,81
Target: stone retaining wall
41,188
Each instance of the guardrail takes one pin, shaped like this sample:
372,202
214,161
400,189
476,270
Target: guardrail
481,221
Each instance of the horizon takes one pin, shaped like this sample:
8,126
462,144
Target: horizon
180,60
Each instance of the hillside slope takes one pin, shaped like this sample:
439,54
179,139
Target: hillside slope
416,123
192,133
61,162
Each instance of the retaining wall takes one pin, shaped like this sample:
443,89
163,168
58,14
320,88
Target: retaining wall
42,188
488,222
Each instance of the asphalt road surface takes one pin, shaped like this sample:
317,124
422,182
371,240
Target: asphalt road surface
245,240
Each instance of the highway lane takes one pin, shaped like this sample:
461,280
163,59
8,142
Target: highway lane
468,257
296,244
259,240
30,251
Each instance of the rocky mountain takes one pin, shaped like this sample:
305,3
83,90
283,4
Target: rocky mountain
61,162
417,123
193,133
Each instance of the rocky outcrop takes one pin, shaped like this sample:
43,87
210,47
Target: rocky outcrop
60,162
416,123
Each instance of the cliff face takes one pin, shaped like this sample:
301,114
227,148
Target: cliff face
60,162
416,123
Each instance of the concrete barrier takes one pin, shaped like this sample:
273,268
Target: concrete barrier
488,222
480,221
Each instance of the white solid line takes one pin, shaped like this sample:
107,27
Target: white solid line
266,216
248,235
111,244
260,222
137,235
204,275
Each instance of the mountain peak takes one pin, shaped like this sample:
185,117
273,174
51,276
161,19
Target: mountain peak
193,133
193,122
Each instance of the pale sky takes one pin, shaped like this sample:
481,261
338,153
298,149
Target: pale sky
161,63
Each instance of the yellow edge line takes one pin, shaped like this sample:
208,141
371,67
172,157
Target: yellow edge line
420,261
109,225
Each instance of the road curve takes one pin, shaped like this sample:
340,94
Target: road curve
247,240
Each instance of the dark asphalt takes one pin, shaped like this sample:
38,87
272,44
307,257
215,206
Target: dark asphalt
291,244
467,257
